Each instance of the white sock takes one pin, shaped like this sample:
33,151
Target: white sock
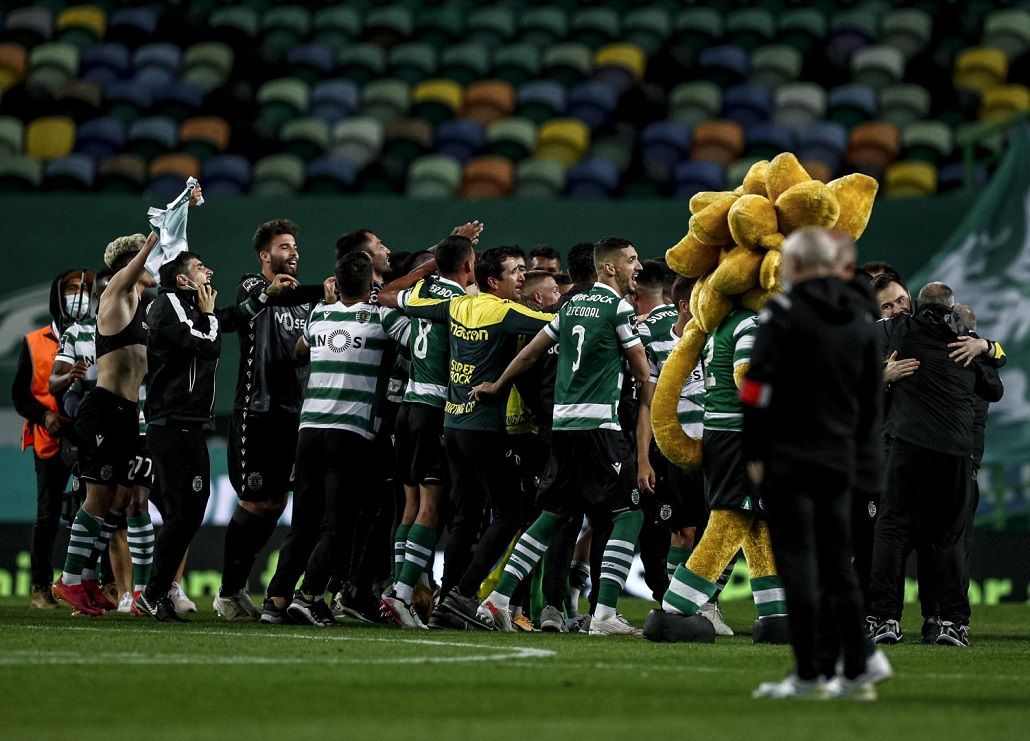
603,612
403,592
500,601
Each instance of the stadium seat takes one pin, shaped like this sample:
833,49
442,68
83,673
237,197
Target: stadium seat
516,63
544,25
620,65
750,27
747,104
818,170
50,137
874,143
226,175
721,142
540,100
823,141
1001,101
540,178
178,100
332,100
980,68
202,136
167,174
799,104
441,27
595,27
81,25
567,63
487,177
1008,29
413,62
386,99
330,175
281,100
850,105
908,30
902,104
388,25
129,25
404,141
236,25
663,145
278,174
121,173
694,176
52,64
593,103
513,138
282,28
927,141
774,65
723,65
911,179
127,99
737,170
357,140
490,26
100,138
488,101
851,30
103,63
437,100
765,140
78,99
150,136
20,173
13,63
336,25
74,172
310,62
208,64
164,56
433,176
699,28
592,178
361,63
802,28
29,26
12,136
460,139
694,102
616,144
563,139
465,63
877,66
647,28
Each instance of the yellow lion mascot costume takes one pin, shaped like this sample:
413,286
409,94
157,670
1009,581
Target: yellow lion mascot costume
732,248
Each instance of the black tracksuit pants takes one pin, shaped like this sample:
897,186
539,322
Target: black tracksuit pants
810,512
926,505
51,478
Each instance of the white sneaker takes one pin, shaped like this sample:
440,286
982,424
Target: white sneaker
877,668
125,603
236,608
616,625
711,611
792,688
499,617
398,611
842,688
179,599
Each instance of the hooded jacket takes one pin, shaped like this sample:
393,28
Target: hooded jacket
183,346
813,387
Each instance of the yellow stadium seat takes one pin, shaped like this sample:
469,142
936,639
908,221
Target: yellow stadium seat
627,56
88,17
50,137
911,179
447,92
980,68
1001,101
565,140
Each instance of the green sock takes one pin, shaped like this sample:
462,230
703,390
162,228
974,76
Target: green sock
687,592
85,530
93,566
530,548
417,550
141,549
678,555
617,559
724,577
400,538
769,598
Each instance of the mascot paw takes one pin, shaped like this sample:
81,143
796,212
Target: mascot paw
668,627
775,630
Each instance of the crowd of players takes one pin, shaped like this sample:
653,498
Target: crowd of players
409,395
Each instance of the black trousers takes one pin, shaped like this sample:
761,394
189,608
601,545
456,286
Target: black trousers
926,505
332,476
809,514
366,548
182,472
483,473
51,478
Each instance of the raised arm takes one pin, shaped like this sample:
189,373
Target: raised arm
391,291
124,281
519,365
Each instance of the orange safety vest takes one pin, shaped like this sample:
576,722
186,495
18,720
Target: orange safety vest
42,351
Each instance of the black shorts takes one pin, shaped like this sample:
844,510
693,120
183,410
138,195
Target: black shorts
681,499
418,433
591,471
726,483
142,468
108,432
260,455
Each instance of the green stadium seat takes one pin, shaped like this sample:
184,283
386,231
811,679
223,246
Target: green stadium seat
305,137
489,100
1001,101
568,63
50,137
13,63
336,26
442,27
413,62
208,65
802,28
775,64
81,25
544,25
52,64
616,146
647,28
12,136
514,138
903,104
386,99
799,104
465,63
927,141
750,27
908,30
121,173
595,27
19,174
694,102
488,176
698,28
862,20
361,62
563,139
389,25
358,140
516,63
721,142
491,26
540,178
980,68
437,100
281,100
1008,29
237,26
434,176
878,66
911,179
278,174
282,28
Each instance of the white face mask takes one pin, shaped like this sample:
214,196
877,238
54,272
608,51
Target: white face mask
190,286
76,306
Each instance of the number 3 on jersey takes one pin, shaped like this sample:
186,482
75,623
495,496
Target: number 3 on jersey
579,332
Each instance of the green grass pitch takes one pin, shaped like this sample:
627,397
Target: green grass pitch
123,677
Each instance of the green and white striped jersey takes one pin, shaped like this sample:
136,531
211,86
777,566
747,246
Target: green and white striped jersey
79,342
594,329
350,365
726,349
428,344
659,338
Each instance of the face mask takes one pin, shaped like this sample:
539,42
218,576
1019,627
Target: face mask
190,286
76,307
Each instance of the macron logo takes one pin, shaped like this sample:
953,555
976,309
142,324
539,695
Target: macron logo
100,439
617,467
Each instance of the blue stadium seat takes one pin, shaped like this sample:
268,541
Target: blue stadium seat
695,176
161,55
126,99
74,172
540,100
593,103
852,104
724,65
825,141
226,175
330,175
333,100
664,144
747,104
177,100
105,63
100,137
460,139
130,25
152,136
310,62
592,178
765,140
